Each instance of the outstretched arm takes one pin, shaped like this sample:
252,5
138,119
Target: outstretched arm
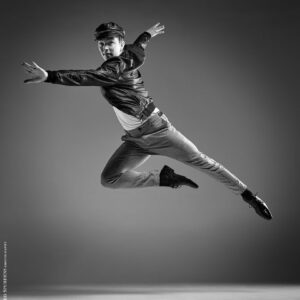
106,75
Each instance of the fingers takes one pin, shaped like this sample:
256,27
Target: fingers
156,30
160,29
24,63
36,65
157,27
28,67
28,70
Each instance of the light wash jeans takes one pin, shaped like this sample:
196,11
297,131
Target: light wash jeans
157,136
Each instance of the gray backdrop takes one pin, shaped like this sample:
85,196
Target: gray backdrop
226,73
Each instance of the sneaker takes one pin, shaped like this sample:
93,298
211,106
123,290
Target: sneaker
169,178
259,206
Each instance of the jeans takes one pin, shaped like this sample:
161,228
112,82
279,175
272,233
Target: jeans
157,136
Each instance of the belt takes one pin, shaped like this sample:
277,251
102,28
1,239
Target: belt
137,131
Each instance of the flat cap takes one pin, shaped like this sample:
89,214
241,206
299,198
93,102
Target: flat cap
109,29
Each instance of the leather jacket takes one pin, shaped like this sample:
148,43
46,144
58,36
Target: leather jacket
119,79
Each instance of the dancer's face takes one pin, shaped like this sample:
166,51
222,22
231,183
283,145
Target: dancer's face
110,47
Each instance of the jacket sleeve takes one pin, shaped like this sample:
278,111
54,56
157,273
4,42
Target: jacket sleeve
142,40
106,75
136,51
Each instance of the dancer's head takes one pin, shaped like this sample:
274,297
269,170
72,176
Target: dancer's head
110,39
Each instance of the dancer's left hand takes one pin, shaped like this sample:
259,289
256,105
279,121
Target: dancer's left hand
156,29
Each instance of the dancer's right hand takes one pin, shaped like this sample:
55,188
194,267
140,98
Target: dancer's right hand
37,74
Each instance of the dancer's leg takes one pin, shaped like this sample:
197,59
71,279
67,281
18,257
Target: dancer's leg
182,149
119,171
170,142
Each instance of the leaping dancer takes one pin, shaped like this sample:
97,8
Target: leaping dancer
147,129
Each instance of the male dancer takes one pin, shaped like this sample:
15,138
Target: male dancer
147,130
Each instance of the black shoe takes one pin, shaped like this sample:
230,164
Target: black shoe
169,178
259,206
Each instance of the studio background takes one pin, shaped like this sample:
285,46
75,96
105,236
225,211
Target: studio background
226,73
